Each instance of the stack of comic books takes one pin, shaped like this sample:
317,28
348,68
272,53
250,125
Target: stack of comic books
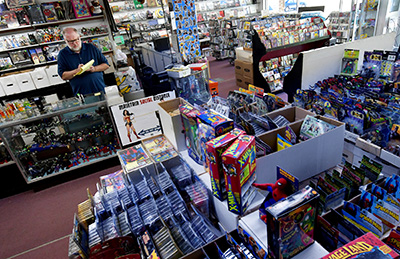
133,158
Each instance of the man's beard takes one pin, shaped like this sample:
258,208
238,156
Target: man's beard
77,49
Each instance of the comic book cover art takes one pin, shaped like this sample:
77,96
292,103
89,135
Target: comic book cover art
49,12
367,246
160,148
133,157
114,181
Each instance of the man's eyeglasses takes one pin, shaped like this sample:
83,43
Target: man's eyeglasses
73,41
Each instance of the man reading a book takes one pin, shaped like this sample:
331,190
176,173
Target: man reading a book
72,60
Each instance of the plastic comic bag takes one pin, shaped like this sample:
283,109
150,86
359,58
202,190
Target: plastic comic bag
127,80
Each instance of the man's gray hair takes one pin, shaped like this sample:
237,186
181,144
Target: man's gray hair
69,30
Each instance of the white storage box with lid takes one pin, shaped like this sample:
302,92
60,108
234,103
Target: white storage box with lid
52,74
10,85
2,93
40,78
244,55
25,82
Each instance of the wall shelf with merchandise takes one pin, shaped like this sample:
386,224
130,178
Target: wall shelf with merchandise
339,25
277,42
30,36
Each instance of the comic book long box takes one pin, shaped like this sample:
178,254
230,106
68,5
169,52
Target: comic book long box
290,223
239,163
215,148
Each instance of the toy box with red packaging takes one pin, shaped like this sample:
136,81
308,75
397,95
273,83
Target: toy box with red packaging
211,125
290,223
366,246
189,121
215,148
239,163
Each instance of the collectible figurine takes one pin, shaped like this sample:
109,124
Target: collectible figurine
348,67
278,190
96,8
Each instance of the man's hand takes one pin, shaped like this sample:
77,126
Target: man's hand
79,68
92,69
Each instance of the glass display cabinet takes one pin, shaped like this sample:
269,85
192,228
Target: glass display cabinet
71,135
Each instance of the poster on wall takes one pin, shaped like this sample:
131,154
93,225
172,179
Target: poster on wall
136,120
186,29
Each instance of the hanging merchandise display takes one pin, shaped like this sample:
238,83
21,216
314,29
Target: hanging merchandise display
186,24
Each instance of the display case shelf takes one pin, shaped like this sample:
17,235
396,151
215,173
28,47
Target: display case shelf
61,141
94,161
7,164
51,114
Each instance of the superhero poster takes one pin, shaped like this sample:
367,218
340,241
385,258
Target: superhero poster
136,120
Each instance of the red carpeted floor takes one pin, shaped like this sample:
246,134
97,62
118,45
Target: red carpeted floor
36,224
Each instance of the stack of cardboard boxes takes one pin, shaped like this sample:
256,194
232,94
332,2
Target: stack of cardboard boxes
244,69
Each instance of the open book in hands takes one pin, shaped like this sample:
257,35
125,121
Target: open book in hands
85,67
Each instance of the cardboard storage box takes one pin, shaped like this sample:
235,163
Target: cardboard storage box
172,123
247,69
240,81
304,159
244,55
52,75
2,93
40,78
292,114
10,85
368,146
238,67
248,80
25,82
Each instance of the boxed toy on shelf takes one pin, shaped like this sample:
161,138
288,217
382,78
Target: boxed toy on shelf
239,163
214,150
291,223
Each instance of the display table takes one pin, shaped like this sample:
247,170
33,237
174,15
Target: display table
257,229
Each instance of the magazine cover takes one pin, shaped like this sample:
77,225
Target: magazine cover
366,246
133,158
160,148
49,12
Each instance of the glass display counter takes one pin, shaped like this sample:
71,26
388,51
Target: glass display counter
60,140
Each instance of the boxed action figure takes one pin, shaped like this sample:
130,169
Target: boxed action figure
211,125
215,148
290,223
189,121
366,246
239,163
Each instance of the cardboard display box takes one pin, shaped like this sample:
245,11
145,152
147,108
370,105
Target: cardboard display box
244,68
171,122
244,55
304,159
25,82
292,114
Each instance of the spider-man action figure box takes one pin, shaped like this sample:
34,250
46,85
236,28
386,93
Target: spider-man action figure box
290,223
239,163
215,148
